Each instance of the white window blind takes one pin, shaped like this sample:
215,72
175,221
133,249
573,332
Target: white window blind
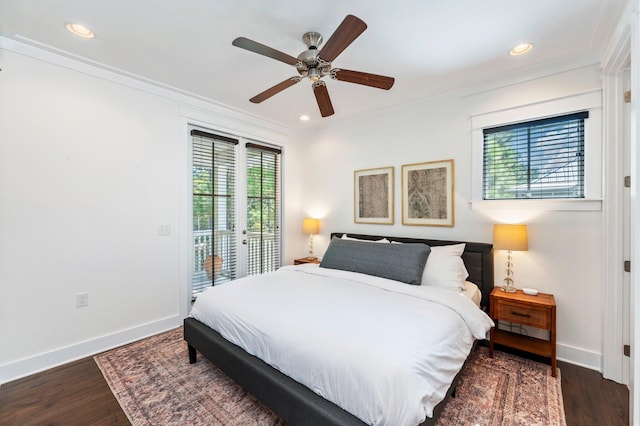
214,209
536,159
263,209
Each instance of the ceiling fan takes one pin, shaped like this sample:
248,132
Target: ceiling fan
315,64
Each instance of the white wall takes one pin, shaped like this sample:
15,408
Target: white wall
90,165
87,173
564,257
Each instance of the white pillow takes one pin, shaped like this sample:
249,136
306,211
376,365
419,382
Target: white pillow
445,267
383,240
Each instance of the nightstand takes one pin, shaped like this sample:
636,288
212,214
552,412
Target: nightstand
536,311
306,260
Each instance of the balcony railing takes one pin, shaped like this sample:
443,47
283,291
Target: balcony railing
263,255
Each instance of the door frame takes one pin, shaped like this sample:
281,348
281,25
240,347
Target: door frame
615,365
615,330
217,122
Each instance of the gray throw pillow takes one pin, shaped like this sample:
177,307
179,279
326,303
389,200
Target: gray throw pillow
399,262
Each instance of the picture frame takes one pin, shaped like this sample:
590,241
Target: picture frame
373,196
427,194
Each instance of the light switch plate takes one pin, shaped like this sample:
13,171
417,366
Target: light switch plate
82,300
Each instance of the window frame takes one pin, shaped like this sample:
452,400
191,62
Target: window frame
589,101
540,146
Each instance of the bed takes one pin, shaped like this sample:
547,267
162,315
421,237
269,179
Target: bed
292,401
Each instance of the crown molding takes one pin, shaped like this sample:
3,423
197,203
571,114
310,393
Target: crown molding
186,100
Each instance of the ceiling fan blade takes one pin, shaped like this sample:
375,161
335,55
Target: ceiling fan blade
261,49
358,77
323,99
350,28
275,90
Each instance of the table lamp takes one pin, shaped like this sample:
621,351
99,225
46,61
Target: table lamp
511,238
310,226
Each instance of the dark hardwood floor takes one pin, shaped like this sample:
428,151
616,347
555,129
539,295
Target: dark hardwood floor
72,394
77,394
591,400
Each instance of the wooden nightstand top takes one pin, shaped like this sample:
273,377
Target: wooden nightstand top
539,299
306,260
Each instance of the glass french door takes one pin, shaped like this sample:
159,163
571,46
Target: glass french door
236,209
263,209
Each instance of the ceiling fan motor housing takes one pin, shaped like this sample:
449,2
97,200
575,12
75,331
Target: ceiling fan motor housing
310,65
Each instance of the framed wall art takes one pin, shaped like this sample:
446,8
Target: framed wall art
373,196
427,193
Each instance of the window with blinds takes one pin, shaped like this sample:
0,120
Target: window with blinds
263,209
214,209
535,159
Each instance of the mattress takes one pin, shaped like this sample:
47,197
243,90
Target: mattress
382,350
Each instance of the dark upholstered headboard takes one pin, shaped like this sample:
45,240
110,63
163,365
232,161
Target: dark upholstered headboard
477,258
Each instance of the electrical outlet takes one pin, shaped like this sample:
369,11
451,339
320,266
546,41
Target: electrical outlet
164,230
82,299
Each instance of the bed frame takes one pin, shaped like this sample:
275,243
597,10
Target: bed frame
293,402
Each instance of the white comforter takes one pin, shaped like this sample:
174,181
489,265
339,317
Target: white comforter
383,350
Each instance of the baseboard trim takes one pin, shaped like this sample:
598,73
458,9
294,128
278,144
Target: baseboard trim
580,357
27,366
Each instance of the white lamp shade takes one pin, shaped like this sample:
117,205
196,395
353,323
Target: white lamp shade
510,237
310,226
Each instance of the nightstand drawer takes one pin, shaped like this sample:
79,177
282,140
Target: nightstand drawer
523,314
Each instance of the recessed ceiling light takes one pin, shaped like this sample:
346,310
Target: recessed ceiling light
79,30
304,117
521,49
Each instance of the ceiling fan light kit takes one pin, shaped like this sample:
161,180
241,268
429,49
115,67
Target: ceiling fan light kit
315,64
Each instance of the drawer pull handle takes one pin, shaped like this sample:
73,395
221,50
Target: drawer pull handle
518,314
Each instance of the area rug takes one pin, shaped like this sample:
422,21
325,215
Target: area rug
155,384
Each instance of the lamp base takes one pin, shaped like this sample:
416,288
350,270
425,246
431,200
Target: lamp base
508,286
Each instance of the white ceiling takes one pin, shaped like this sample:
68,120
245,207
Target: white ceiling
429,46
